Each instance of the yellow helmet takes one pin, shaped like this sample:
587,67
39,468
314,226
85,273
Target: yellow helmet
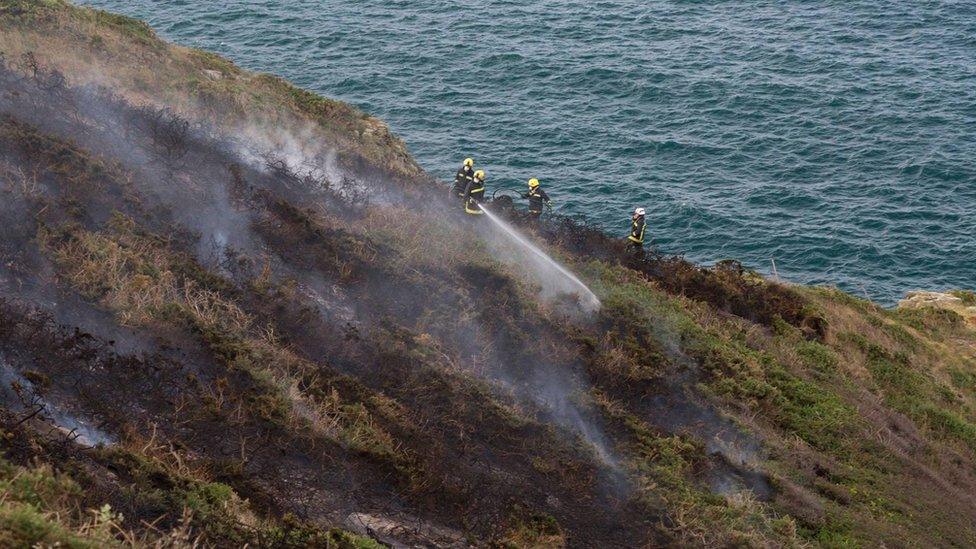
480,174
533,183
469,162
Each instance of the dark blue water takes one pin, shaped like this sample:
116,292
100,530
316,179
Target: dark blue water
838,137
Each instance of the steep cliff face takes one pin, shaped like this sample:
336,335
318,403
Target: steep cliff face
232,311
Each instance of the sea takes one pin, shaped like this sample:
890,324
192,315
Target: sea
836,138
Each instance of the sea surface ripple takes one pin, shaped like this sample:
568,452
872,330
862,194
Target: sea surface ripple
836,137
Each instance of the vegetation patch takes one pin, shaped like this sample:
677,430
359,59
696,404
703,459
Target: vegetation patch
665,466
968,297
358,353
535,531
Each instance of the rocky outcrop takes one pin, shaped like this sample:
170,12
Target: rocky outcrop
961,302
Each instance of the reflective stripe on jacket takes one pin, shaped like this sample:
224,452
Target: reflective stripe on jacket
637,230
473,194
461,179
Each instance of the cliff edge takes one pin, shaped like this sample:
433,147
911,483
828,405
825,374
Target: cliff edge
233,312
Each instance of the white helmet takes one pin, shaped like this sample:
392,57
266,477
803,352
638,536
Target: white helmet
639,211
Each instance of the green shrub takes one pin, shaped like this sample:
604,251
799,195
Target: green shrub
968,297
36,487
813,413
782,328
340,539
39,509
964,379
951,425
893,371
209,498
837,534
26,526
29,9
817,356
130,27
929,319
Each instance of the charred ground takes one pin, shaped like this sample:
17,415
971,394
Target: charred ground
235,312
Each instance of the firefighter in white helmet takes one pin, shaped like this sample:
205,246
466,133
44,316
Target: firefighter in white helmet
637,225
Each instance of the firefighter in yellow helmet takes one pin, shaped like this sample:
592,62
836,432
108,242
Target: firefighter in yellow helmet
637,226
537,198
463,176
474,193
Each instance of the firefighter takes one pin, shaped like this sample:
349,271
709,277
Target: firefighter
637,225
537,198
463,176
474,193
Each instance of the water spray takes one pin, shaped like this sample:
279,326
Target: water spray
588,299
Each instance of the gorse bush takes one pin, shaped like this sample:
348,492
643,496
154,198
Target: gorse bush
287,331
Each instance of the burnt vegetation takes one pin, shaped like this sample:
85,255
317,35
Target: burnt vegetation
227,346
727,286
243,381
168,132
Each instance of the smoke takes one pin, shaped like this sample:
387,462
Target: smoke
736,455
554,391
18,394
297,144
554,279
549,387
179,165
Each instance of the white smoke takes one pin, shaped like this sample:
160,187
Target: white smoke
16,392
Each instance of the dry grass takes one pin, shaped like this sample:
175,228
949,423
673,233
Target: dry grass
663,467
421,241
92,47
937,352
40,507
133,275
350,424
809,399
16,180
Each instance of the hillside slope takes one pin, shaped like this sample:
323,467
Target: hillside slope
233,312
